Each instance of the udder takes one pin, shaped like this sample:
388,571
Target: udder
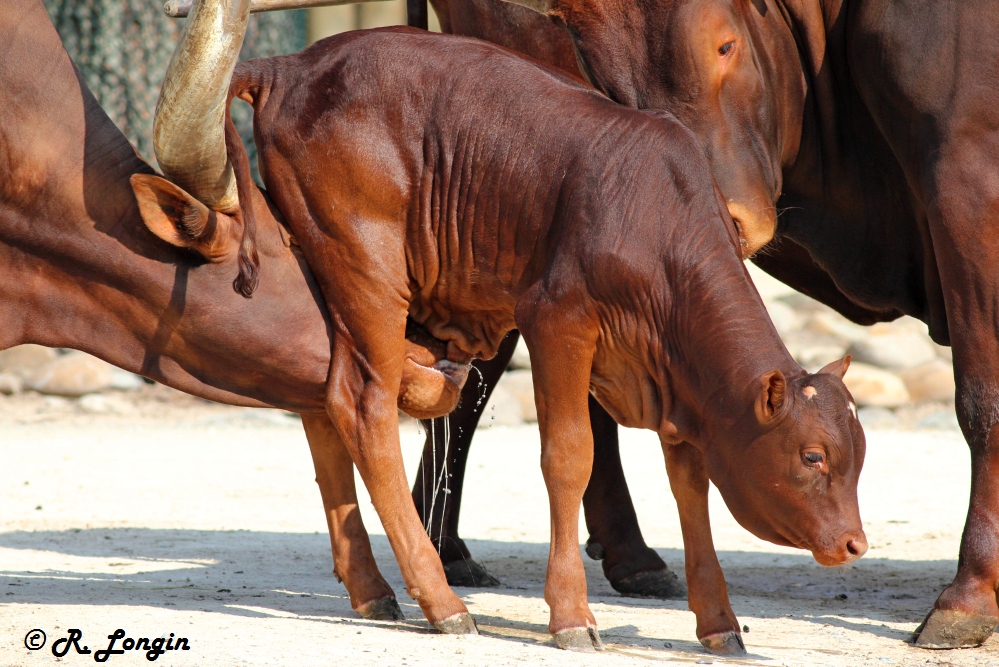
431,383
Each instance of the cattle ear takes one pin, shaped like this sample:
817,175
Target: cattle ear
181,220
837,368
773,393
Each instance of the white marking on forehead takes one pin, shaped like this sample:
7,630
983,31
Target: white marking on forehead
810,392
852,408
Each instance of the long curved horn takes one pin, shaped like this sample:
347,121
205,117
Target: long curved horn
189,130
541,6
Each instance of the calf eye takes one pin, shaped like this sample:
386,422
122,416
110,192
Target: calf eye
725,48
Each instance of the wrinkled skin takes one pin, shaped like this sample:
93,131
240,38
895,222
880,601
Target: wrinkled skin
584,266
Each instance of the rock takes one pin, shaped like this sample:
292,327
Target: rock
877,418
814,357
930,382
102,404
768,286
836,326
73,374
944,352
785,320
875,387
24,360
10,384
945,420
125,381
521,359
894,349
503,409
520,384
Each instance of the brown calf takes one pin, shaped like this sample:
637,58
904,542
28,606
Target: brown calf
419,190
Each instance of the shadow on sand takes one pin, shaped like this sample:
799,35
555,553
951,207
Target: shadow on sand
289,574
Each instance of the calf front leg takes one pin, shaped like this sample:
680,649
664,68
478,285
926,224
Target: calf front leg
707,596
561,368
353,562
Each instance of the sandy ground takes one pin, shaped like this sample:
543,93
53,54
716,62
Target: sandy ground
204,521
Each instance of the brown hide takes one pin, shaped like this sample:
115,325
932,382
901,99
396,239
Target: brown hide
498,195
877,120
80,269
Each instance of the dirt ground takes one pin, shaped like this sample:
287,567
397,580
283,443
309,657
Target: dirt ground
163,515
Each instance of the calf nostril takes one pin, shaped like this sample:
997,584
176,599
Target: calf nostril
856,547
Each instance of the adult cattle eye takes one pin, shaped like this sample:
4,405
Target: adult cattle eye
814,458
725,48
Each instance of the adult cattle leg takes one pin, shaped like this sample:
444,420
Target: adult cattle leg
631,567
439,483
353,562
717,626
966,613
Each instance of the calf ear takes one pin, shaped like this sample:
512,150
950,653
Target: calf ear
837,368
773,391
180,219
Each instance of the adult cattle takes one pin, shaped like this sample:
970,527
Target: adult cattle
79,268
871,125
411,207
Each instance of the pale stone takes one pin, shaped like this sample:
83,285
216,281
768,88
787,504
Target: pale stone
814,357
877,418
768,286
104,404
837,326
944,352
73,374
521,359
895,349
503,409
10,384
930,382
521,385
945,420
24,360
125,381
785,320
875,387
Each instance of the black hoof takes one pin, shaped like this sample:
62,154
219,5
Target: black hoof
386,609
945,628
594,549
459,624
724,643
581,640
470,574
658,584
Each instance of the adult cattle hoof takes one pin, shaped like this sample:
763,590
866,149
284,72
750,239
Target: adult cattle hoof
581,640
659,584
724,643
594,549
385,609
470,574
459,624
946,628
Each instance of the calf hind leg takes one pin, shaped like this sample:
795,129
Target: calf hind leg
353,562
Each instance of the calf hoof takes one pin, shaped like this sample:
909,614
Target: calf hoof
946,628
470,574
385,609
724,643
459,624
658,584
581,640
594,549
